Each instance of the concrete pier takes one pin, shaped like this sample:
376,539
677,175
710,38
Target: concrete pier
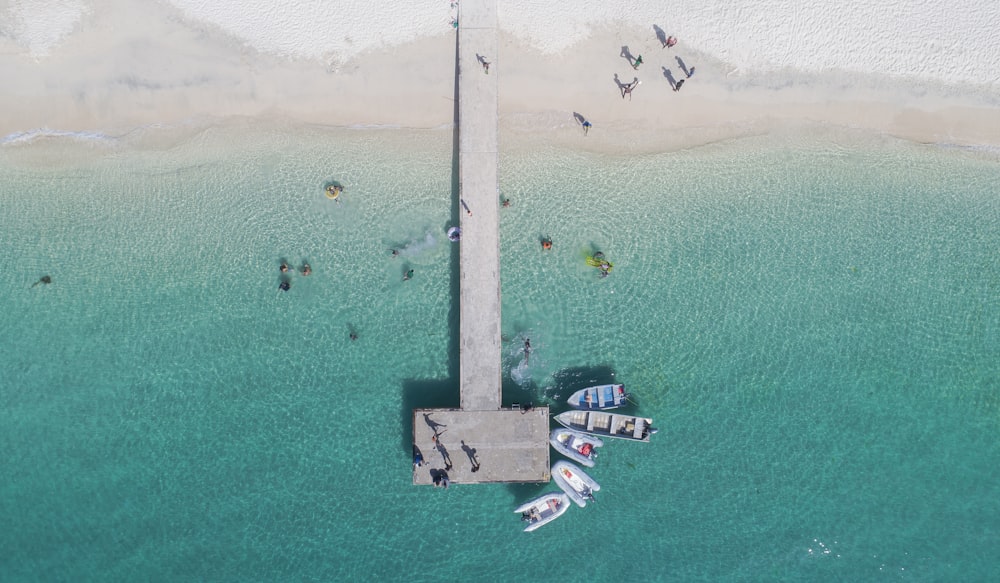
480,442
479,192
501,446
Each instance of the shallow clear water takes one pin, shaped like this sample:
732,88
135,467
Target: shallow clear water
813,328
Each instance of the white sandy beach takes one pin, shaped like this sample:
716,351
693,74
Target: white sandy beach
923,76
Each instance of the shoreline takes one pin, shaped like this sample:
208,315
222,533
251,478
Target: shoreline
183,83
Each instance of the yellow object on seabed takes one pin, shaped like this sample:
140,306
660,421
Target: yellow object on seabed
333,191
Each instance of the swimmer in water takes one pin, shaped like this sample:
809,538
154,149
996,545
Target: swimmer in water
408,275
284,267
284,286
306,270
527,350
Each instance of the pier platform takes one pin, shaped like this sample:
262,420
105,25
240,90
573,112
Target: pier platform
507,446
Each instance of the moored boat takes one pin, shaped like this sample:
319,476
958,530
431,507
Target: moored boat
575,482
579,447
543,510
608,424
598,397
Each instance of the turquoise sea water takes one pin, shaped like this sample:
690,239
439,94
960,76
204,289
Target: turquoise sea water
815,330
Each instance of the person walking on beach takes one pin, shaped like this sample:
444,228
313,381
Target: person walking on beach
484,62
690,72
638,61
671,41
678,86
586,127
465,206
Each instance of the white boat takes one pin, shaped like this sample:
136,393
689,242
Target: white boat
598,397
579,447
608,424
543,510
575,482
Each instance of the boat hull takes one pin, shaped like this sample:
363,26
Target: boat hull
598,398
545,509
575,482
601,424
570,443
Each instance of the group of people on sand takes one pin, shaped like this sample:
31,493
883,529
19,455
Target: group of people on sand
668,42
286,283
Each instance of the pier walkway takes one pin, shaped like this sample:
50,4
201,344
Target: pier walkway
479,189
481,442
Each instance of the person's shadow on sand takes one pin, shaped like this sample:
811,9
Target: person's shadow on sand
670,78
618,82
627,55
660,35
680,63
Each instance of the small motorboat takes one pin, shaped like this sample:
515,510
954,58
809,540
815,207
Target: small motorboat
598,397
579,447
543,510
575,482
604,424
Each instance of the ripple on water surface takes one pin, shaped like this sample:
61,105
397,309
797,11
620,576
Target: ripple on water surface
812,328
